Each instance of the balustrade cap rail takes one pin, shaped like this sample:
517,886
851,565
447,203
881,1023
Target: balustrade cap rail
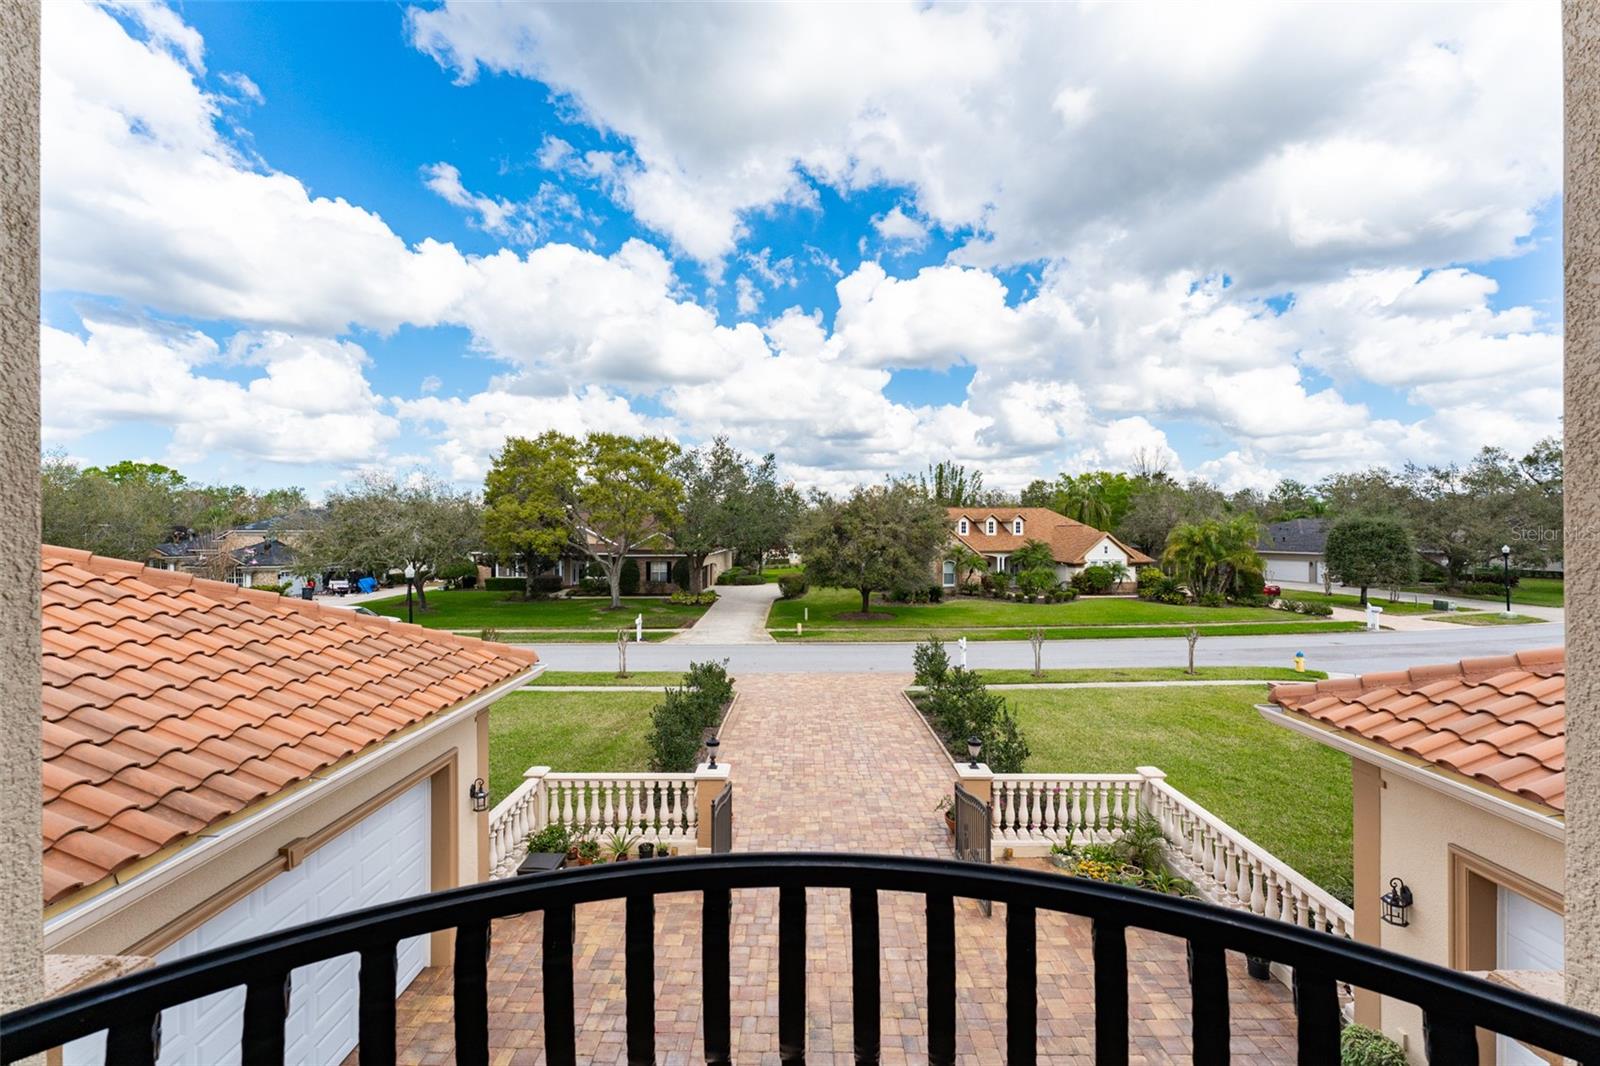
1453,1002
1129,779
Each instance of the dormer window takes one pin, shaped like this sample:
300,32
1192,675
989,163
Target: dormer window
989,527
964,527
1016,526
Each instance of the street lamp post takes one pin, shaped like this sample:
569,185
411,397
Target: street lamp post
1505,560
411,573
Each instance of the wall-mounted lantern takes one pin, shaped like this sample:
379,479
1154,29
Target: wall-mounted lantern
479,795
1397,903
712,744
974,747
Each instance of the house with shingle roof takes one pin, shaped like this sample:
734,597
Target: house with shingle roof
998,533
1459,793
1294,550
220,762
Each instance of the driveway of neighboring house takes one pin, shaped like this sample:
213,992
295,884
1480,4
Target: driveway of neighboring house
836,763
1380,596
738,617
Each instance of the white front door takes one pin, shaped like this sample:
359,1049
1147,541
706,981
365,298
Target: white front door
383,857
1529,938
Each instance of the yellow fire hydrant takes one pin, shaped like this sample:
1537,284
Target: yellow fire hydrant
1299,662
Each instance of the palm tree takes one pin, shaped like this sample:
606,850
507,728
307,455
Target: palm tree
1119,572
1084,501
968,562
1207,554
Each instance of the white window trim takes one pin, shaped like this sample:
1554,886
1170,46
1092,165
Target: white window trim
989,527
1016,526
949,574
965,527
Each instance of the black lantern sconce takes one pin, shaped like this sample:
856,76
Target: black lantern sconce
479,795
1397,903
712,744
974,747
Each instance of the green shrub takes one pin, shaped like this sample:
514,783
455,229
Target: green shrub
1094,579
1248,582
679,722
1006,750
703,598
1212,599
1487,590
680,573
628,582
1037,581
1253,600
1158,587
791,586
279,587
504,584
931,662
1307,607
554,837
1360,1046
592,586
460,575
738,577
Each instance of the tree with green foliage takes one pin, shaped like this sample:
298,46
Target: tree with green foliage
1207,554
119,517
626,496
529,496
1371,552
1160,506
968,563
147,473
761,513
949,484
879,537
1033,555
382,524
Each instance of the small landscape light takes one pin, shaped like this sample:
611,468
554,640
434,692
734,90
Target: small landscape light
711,752
479,794
974,746
1396,903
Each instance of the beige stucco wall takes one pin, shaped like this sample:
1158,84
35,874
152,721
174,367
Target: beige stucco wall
1581,223
20,887
120,929
1419,824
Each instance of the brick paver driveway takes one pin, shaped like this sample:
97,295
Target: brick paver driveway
836,762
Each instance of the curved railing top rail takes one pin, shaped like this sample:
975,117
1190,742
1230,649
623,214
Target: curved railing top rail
1453,1002
1321,896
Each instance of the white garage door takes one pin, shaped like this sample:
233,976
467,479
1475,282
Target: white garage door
381,858
1530,938
1280,570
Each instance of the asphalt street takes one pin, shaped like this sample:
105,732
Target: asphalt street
1348,653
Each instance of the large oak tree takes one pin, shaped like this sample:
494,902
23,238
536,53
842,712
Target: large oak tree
878,537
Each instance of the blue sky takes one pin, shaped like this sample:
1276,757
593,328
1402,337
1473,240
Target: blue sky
285,242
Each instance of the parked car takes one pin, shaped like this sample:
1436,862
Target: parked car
339,586
1271,591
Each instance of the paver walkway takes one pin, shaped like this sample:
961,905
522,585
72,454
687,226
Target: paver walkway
836,762
738,617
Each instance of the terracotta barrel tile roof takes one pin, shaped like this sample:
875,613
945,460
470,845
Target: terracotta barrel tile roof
172,702
1500,720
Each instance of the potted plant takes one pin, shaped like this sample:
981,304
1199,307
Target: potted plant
587,851
552,838
948,808
620,844
647,850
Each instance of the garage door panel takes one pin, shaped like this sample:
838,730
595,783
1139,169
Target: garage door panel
383,857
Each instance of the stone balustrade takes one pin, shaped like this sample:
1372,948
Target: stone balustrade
1034,812
661,809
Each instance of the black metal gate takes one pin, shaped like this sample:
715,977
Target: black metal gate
722,820
973,828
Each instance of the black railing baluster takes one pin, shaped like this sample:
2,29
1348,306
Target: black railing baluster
1110,993
1208,998
134,1043
560,1037
1448,1036
1459,1009
1316,1008
715,914
376,1018
640,944
792,974
865,991
266,1008
941,979
1022,984
471,978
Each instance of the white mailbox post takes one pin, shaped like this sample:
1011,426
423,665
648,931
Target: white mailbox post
638,629
1373,613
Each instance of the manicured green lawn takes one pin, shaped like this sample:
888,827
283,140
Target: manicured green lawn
559,636
608,678
827,605
1339,599
1289,794
1149,673
480,608
579,731
849,635
1488,618
773,573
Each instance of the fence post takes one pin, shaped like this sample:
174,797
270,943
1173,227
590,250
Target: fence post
978,781
536,797
1151,775
708,785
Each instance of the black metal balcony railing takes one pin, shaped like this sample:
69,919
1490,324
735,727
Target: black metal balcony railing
1453,1004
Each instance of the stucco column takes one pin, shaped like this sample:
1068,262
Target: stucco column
21,891
708,785
1581,239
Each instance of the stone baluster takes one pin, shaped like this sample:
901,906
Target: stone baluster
1258,895
1035,810
1102,811
1230,867
607,811
1077,806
